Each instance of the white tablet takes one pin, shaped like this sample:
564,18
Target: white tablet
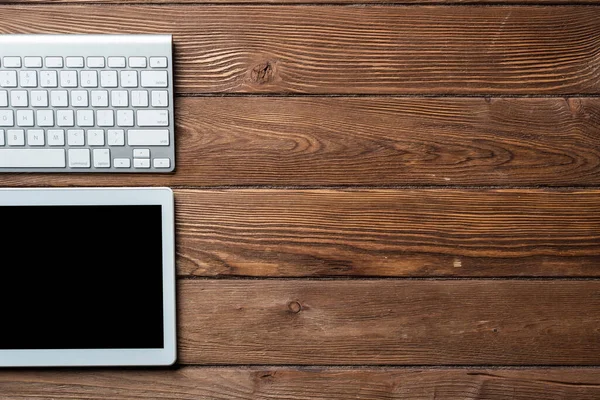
87,277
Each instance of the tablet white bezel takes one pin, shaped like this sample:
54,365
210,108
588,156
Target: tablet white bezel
105,357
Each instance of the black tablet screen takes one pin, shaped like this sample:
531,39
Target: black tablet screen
81,277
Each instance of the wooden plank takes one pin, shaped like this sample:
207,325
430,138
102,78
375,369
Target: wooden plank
373,141
314,383
374,49
385,322
388,233
409,233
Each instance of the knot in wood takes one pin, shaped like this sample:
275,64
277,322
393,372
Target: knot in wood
263,73
294,307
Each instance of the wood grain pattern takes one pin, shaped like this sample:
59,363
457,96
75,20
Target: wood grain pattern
373,49
405,231
384,322
309,384
373,141
316,233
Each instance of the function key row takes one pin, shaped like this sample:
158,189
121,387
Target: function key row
81,62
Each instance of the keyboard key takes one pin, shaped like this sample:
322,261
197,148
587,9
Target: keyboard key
59,98
25,118
137,62
3,98
118,98
116,137
125,118
65,118
79,98
116,62
18,98
7,118
141,153
147,137
39,98
28,79
68,79
105,118
158,62
99,98
1,137
129,79
45,118
74,62
54,62
101,158
79,158
11,62
15,137
95,62
89,79
152,118
75,137
35,137
161,163
122,163
160,98
141,163
8,79
95,137
56,137
108,79
48,79
32,158
85,118
139,98
33,62
154,79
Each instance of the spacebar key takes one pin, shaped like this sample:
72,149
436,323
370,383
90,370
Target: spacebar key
32,158
148,137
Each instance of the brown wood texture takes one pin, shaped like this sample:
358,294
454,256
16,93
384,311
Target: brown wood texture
371,49
438,232
373,141
383,322
298,383
351,162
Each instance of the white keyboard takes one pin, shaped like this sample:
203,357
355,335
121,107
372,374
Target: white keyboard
86,103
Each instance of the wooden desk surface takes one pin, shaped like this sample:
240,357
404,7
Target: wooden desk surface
375,201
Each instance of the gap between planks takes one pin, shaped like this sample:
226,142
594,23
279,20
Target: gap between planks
334,278
470,3
487,96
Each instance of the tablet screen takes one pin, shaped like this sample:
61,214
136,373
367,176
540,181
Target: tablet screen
81,277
